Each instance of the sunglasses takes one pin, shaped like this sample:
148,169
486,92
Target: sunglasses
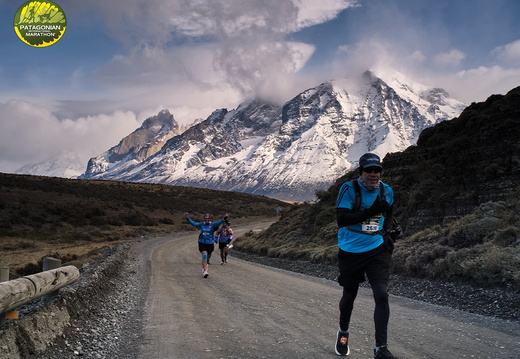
372,170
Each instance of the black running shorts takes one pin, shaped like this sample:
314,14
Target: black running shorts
353,266
205,247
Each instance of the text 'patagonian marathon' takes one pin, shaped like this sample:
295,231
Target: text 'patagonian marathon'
40,27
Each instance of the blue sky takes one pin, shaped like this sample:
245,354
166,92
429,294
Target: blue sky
121,61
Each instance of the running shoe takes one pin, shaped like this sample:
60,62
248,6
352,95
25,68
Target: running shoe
342,348
383,353
205,273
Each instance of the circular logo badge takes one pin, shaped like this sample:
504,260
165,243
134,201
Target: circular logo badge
40,23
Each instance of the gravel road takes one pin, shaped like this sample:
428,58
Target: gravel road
152,302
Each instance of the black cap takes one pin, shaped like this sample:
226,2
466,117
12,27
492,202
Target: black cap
370,160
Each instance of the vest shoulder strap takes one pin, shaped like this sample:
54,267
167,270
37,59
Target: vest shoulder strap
357,189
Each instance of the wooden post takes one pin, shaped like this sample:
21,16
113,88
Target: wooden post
20,291
4,274
51,263
4,277
48,264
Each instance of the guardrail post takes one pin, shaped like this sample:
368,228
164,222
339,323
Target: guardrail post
48,264
20,291
4,277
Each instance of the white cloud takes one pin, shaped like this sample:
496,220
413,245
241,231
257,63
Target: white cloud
476,85
30,133
359,57
312,12
418,57
373,53
200,53
145,67
233,45
509,54
471,85
483,82
451,58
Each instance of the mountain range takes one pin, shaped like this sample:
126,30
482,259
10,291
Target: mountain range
286,152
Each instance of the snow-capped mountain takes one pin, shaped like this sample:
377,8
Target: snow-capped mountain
67,165
137,146
289,152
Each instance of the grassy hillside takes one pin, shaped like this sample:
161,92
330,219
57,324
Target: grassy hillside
73,219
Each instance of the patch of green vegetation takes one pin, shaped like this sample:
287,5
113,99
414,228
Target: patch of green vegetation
482,247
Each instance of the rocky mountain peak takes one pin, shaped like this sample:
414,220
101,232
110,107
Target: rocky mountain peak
141,144
164,120
286,152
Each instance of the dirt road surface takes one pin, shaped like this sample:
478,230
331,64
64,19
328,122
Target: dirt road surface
246,310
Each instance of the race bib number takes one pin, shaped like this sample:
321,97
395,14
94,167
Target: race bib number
370,227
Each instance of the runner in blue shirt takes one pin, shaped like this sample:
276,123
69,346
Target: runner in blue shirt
206,242
363,250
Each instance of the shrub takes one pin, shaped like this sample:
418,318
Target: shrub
166,220
506,237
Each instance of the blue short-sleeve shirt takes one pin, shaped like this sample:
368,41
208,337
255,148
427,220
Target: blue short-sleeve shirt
353,241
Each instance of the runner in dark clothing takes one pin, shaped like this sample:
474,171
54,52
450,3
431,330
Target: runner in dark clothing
363,250
224,238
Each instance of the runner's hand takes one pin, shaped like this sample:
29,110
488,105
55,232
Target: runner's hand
389,242
378,207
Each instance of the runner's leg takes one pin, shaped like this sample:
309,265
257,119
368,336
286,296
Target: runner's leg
381,312
204,260
346,304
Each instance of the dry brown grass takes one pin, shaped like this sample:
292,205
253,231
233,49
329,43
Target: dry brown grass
73,219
